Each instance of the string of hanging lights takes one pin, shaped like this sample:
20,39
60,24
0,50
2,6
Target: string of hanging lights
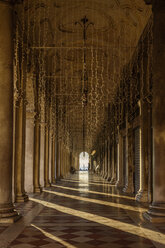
81,74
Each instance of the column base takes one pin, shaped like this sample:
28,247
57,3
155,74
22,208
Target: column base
37,189
142,196
113,181
21,198
57,179
127,190
156,213
47,185
105,176
8,214
119,185
53,181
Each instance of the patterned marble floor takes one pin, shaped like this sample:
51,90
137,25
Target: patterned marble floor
82,211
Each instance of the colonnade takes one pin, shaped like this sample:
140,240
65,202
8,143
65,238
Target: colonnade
24,141
119,168
30,137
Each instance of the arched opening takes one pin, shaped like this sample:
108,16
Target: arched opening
83,161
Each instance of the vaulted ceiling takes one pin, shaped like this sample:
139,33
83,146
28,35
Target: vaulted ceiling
54,29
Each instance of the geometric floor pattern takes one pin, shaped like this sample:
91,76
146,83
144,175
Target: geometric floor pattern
84,211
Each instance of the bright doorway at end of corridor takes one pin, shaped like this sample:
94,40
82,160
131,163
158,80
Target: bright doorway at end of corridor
83,161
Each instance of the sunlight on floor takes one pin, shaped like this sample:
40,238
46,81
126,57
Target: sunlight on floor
125,227
105,203
90,183
93,192
51,236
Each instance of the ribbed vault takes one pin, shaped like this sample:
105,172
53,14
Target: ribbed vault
75,79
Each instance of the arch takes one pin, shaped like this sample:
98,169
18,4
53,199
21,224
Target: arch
83,161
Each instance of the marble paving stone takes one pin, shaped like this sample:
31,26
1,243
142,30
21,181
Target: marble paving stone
51,228
23,246
81,239
82,233
53,246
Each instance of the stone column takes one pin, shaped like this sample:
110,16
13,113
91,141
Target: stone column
36,168
70,162
115,158
78,161
103,158
66,166
113,161
61,159
20,130
109,160
50,157
129,187
112,164
19,160
57,159
42,138
7,211
46,157
65,161
144,147
130,163
53,160
120,161
156,213
106,160
29,152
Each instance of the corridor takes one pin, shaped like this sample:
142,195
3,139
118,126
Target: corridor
82,211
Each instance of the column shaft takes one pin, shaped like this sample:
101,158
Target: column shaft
120,162
36,168
129,188
20,124
7,211
145,144
57,159
19,163
53,160
46,158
